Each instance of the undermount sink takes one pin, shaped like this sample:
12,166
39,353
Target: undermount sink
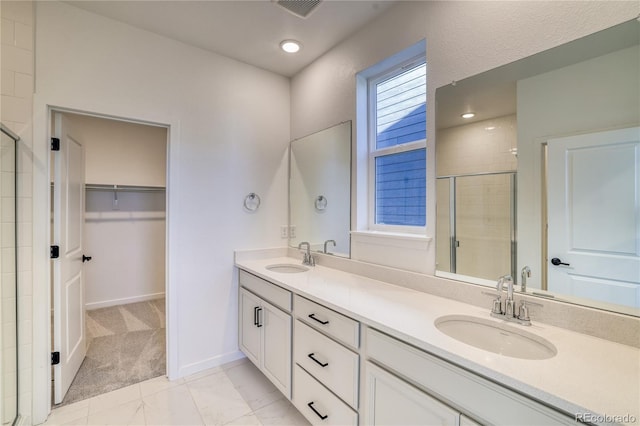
495,337
287,268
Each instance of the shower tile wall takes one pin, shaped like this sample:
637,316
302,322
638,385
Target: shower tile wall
482,203
16,113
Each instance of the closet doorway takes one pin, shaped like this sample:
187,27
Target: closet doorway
108,242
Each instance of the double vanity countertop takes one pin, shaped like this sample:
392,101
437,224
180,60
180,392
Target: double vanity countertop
588,375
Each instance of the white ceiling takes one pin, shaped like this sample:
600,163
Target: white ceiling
249,31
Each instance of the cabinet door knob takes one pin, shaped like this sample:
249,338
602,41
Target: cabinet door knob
310,405
317,362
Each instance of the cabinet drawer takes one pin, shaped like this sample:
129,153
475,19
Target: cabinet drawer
317,404
334,324
268,291
328,361
467,391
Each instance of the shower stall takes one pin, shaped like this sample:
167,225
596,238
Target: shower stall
8,277
476,221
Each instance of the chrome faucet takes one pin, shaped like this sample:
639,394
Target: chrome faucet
509,303
523,311
509,312
308,258
526,273
325,245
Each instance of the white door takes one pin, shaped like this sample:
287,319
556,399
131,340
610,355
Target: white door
594,216
276,356
68,289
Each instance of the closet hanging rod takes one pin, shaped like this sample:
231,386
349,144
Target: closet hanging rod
123,188
4,129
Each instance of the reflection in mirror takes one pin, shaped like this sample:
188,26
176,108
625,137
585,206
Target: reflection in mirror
476,185
320,190
545,175
8,278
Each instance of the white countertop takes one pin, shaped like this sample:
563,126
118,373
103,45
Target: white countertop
588,374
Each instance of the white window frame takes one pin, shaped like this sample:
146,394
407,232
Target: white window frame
374,152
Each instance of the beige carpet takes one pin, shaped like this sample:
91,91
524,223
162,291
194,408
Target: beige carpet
126,346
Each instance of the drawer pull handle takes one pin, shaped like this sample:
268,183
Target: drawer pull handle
317,362
258,324
310,405
255,315
312,316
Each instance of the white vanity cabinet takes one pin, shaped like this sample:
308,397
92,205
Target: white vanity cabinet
482,400
340,371
265,329
392,401
326,374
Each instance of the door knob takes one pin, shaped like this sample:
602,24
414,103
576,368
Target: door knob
85,258
557,262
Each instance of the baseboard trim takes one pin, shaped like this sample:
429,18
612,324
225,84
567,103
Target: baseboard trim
212,362
22,421
123,301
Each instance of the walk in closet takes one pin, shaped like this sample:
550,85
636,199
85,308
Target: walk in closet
122,247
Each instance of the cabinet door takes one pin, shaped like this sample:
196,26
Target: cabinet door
276,361
250,333
391,401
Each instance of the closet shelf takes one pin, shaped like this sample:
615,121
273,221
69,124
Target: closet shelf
123,188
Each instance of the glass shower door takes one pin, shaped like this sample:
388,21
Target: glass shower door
476,222
8,279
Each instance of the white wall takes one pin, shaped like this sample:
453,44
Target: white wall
122,153
228,137
463,39
127,246
563,102
125,240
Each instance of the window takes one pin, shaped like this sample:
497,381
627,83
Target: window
397,148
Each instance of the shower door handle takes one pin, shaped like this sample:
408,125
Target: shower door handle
85,258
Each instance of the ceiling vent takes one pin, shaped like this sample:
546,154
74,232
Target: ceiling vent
300,8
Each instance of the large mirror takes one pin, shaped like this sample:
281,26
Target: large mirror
320,190
543,182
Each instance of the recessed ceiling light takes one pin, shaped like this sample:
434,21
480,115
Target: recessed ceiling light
490,128
468,115
290,46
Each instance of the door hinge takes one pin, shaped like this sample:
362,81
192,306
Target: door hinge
55,358
55,144
55,252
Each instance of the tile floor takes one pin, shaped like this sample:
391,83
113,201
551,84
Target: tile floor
233,394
